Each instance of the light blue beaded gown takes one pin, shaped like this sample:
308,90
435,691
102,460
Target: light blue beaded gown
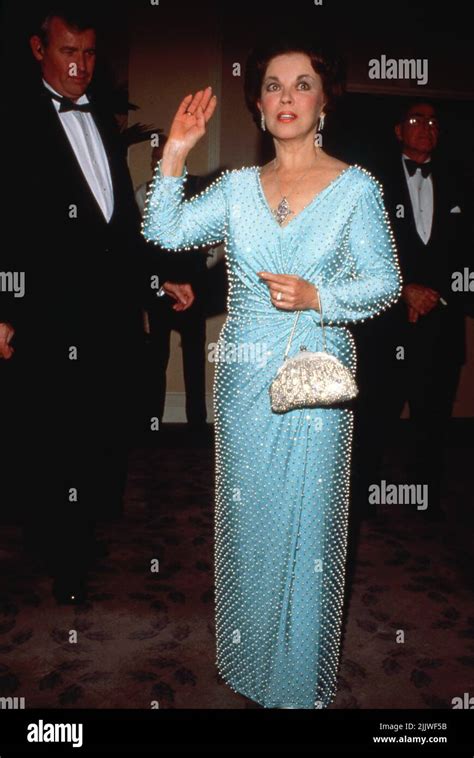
282,480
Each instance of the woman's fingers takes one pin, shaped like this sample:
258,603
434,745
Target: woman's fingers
184,105
278,282
288,291
205,98
189,124
210,108
268,276
201,98
195,101
284,305
206,101
284,299
200,120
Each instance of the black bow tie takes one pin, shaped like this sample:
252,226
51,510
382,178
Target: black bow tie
412,166
66,104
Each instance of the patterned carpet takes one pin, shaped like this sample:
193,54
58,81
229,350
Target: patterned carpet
148,635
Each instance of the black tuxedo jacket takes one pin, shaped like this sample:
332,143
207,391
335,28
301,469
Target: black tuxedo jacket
431,264
82,273
84,281
448,251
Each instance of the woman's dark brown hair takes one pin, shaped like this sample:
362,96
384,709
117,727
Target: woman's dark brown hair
326,64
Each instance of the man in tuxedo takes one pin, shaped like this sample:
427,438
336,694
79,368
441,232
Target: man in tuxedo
415,351
163,316
73,343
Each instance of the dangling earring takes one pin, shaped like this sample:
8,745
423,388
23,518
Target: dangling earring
262,121
321,122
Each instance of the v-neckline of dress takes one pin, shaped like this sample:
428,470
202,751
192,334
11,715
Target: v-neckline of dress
308,205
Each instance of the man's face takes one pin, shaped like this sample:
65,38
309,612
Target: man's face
419,131
68,61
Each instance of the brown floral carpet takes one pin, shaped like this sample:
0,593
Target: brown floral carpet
148,635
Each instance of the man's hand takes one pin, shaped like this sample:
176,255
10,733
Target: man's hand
182,293
419,299
413,315
6,335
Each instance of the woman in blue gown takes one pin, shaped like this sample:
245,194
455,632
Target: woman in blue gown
302,232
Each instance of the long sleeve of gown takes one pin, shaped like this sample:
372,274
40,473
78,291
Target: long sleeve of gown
178,224
370,280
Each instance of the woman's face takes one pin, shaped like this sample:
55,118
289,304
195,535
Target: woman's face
292,96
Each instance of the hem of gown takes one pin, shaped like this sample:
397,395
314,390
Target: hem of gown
256,699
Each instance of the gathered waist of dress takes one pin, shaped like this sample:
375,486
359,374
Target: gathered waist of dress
263,315
276,317
281,323
253,309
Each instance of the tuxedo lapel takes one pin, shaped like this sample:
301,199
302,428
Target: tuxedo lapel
440,204
124,196
405,194
66,159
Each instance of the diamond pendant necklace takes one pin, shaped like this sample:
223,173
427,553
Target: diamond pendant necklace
283,210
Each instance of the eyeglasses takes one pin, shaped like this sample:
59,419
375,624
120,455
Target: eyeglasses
433,123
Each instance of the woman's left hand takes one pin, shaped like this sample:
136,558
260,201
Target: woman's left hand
297,294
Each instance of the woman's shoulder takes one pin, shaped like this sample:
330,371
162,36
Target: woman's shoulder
357,173
364,180
334,165
231,176
243,172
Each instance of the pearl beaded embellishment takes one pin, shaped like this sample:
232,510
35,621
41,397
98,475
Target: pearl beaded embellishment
282,480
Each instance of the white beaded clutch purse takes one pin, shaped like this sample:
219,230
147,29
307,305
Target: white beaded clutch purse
311,380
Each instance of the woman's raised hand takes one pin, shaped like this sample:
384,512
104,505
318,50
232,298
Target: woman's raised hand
189,123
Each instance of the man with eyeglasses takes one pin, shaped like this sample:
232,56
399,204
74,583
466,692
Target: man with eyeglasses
416,350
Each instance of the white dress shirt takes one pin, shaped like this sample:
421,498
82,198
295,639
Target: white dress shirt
421,194
89,149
